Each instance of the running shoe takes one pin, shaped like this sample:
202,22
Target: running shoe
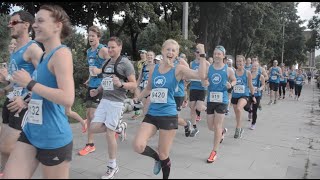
187,131
156,167
86,150
223,133
212,157
123,134
194,132
110,173
253,126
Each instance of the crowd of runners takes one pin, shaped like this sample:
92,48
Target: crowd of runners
39,90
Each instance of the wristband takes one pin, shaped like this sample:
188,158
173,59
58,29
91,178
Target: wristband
252,95
121,85
31,85
203,55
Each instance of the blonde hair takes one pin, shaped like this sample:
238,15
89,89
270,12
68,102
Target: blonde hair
241,56
170,41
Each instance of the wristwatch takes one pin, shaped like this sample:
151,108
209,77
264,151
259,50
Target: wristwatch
203,55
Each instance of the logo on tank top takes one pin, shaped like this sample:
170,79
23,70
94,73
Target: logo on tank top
159,81
13,66
91,61
196,68
254,82
239,81
216,78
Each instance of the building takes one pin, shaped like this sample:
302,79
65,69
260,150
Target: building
310,64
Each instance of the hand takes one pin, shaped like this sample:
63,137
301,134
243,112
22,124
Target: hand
200,48
21,77
17,104
184,104
86,83
205,83
96,70
254,100
135,100
228,85
94,92
116,81
3,73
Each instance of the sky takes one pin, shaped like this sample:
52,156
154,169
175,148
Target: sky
304,11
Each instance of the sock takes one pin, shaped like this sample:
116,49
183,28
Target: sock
112,163
194,126
166,166
198,113
148,151
90,144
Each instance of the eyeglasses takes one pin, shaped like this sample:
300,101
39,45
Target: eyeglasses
197,52
15,22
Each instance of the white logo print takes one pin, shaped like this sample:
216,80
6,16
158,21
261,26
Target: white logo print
56,158
159,81
216,78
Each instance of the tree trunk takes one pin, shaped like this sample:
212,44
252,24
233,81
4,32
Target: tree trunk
203,33
110,19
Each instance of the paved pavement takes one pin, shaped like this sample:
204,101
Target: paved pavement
285,144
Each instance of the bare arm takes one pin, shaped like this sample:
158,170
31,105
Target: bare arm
264,73
263,82
131,84
34,54
249,77
232,77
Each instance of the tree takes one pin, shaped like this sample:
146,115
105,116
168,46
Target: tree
5,38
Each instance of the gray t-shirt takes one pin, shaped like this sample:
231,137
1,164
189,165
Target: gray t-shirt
124,68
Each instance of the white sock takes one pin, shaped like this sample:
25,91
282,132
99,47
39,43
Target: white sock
112,163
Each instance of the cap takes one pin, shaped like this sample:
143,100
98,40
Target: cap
221,48
158,57
142,51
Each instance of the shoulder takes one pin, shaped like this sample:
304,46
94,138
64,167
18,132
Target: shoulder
63,52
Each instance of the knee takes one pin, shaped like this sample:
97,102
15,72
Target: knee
139,146
6,148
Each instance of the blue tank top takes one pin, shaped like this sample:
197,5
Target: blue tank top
55,131
217,89
179,91
284,79
241,89
299,80
94,60
274,77
292,76
256,84
144,77
168,82
248,68
195,84
17,63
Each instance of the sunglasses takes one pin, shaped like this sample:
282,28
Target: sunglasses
15,22
197,52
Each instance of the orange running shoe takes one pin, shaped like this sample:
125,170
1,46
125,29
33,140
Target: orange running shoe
86,150
212,157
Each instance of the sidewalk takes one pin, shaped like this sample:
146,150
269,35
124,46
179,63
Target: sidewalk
285,144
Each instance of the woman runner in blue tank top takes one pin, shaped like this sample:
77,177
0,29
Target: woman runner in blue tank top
240,94
299,82
283,82
162,114
47,136
292,77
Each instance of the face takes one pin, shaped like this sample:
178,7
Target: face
218,55
12,45
229,64
45,26
93,38
150,57
255,66
240,62
275,63
248,61
143,55
113,49
170,51
17,26
210,60
254,60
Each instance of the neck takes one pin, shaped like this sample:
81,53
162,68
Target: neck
95,46
51,44
114,58
21,41
218,63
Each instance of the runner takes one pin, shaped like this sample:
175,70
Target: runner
118,78
46,137
219,75
240,94
96,56
248,64
26,55
258,83
229,62
299,82
292,77
162,113
283,81
274,80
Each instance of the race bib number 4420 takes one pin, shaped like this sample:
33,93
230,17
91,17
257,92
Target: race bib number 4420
159,95
35,111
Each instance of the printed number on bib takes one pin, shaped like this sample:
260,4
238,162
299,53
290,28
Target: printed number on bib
107,83
17,91
159,95
291,77
238,89
216,96
274,77
281,79
35,111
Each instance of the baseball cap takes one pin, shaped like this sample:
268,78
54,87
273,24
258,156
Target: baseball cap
158,57
142,51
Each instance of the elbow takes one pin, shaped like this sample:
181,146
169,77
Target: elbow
68,102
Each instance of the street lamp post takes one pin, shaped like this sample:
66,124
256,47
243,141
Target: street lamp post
185,20
282,42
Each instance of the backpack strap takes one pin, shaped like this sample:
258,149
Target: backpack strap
115,68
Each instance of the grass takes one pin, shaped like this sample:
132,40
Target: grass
79,106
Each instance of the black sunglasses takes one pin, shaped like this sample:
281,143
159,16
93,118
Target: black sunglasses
15,22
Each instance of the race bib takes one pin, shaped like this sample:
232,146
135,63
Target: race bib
17,91
107,83
292,77
298,82
35,111
159,95
274,77
281,79
238,89
216,96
